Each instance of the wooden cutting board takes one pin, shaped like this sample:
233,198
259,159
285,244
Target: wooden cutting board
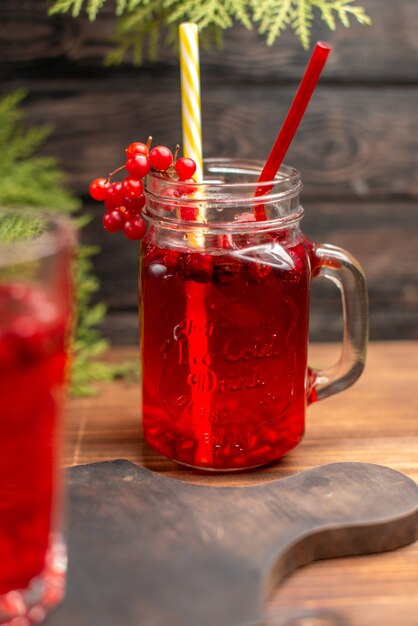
146,550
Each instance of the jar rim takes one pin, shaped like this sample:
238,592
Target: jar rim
285,174
216,196
177,224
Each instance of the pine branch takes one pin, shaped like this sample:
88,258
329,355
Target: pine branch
273,17
17,228
61,6
138,31
302,21
28,180
32,181
341,9
240,12
204,13
142,22
92,7
121,6
221,13
327,15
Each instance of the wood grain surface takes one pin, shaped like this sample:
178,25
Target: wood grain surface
349,145
357,147
358,140
375,422
175,554
387,51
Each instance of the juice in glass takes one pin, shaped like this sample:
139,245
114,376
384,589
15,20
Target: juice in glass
34,301
238,400
225,318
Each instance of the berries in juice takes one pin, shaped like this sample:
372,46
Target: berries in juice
224,352
32,362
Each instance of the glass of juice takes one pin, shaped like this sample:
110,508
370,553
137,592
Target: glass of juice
225,317
35,295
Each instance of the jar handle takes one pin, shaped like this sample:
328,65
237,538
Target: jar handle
342,269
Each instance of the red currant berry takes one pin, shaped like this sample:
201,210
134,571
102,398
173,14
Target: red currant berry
188,187
138,165
225,242
227,269
123,211
114,196
185,168
160,158
110,205
200,266
136,148
132,187
113,221
246,217
135,228
258,272
134,206
188,213
171,259
170,192
98,188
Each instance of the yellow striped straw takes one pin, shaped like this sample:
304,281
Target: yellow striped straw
195,292
190,96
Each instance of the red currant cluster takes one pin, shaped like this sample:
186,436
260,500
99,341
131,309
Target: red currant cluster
124,200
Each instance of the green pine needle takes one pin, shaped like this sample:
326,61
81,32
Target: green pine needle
302,20
29,180
17,228
141,22
273,17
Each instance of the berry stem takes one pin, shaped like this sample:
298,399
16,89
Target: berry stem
149,142
176,153
118,169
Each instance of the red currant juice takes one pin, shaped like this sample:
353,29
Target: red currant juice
224,346
32,362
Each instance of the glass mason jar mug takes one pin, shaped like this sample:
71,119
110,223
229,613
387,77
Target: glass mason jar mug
225,317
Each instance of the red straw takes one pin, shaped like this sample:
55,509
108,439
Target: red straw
293,119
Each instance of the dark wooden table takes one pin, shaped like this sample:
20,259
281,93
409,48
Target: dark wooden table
375,421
